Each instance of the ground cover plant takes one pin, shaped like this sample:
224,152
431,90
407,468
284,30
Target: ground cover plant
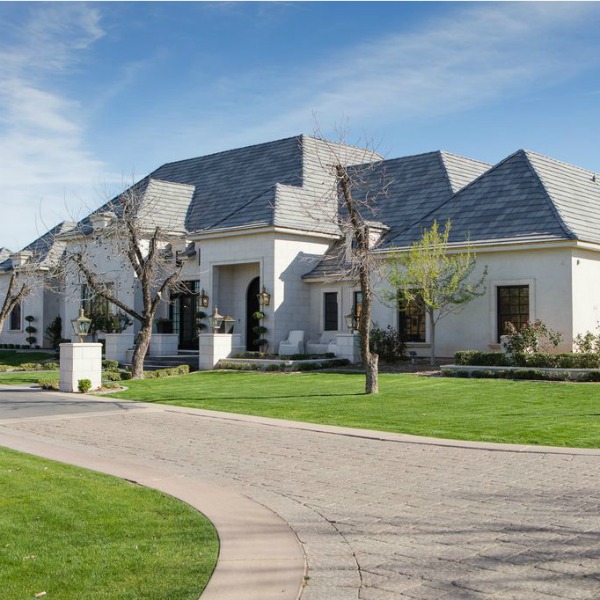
522,412
75,534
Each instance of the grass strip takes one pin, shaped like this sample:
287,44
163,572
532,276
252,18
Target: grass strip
76,534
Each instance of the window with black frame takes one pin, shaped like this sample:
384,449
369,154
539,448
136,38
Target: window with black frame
16,317
411,320
512,307
330,307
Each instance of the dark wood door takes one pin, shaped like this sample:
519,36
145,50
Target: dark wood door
252,306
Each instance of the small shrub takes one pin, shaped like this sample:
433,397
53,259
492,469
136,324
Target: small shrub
31,367
48,384
589,376
125,375
111,376
84,385
532,337
110,365
387,343
51,365
171,372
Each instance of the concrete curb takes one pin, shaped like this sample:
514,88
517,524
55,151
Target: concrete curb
260,557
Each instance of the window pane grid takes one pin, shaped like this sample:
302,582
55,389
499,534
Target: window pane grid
513,307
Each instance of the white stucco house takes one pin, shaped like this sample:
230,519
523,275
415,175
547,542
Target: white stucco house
265,216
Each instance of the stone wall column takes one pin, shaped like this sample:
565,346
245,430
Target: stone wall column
80,361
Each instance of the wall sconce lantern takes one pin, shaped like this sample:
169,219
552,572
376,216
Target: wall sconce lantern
203,299
215,320
264,298
351,321
81,325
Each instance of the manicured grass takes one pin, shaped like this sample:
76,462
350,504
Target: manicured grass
14,358
75,534
26,378
521,412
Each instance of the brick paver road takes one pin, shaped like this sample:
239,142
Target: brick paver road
383,519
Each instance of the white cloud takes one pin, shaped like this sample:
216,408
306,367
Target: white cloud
478,55
42,134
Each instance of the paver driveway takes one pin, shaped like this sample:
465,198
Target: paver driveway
380,519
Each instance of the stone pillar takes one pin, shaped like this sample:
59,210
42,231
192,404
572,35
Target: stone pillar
215,346
348,346
80,361
163,344
116,346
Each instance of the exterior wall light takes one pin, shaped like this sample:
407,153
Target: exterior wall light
203,299
264,298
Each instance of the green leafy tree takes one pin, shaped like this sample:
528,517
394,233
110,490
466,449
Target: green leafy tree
435,280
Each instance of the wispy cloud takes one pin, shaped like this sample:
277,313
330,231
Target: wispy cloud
479,55
42,133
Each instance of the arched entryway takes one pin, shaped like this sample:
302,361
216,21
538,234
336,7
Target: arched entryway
251,307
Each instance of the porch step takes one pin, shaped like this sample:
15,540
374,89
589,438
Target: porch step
184,357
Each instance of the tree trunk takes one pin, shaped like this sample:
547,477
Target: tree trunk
432,338
371,362
141,349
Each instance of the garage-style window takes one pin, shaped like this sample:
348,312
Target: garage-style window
512,306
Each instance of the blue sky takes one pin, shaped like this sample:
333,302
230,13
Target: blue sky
95,95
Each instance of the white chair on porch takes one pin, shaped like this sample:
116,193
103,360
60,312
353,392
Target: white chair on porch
293,345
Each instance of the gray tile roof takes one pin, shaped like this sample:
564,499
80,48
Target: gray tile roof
508,202
275,183
45,250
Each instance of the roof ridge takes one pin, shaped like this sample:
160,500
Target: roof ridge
230,150
463,157
559,162
557,213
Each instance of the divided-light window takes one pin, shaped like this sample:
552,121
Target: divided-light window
512,307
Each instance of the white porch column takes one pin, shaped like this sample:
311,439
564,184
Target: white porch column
80,361
348,346
215,346
163,344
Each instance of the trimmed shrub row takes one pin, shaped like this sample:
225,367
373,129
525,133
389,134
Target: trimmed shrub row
474,358
47,366
255,366
171,372
17,347
531,374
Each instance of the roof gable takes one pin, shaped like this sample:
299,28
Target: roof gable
507,202
574,192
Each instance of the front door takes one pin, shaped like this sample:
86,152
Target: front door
183,315
252,306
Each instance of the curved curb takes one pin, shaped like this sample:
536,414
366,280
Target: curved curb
260,557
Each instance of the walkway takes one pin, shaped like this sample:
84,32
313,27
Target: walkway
380,518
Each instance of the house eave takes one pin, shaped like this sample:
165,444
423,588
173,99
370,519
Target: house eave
255,230
513,245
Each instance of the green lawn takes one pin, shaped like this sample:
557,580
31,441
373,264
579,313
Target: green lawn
26,377
14,358
555,414
79,535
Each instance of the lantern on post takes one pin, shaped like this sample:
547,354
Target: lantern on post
215,320
81,325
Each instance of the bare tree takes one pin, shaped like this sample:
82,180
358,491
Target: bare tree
128,232
358,188
19,287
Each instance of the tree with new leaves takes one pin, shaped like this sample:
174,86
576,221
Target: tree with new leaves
433,278
132,236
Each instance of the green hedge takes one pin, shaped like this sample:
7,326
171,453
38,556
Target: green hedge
530,374
173,371
539,360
